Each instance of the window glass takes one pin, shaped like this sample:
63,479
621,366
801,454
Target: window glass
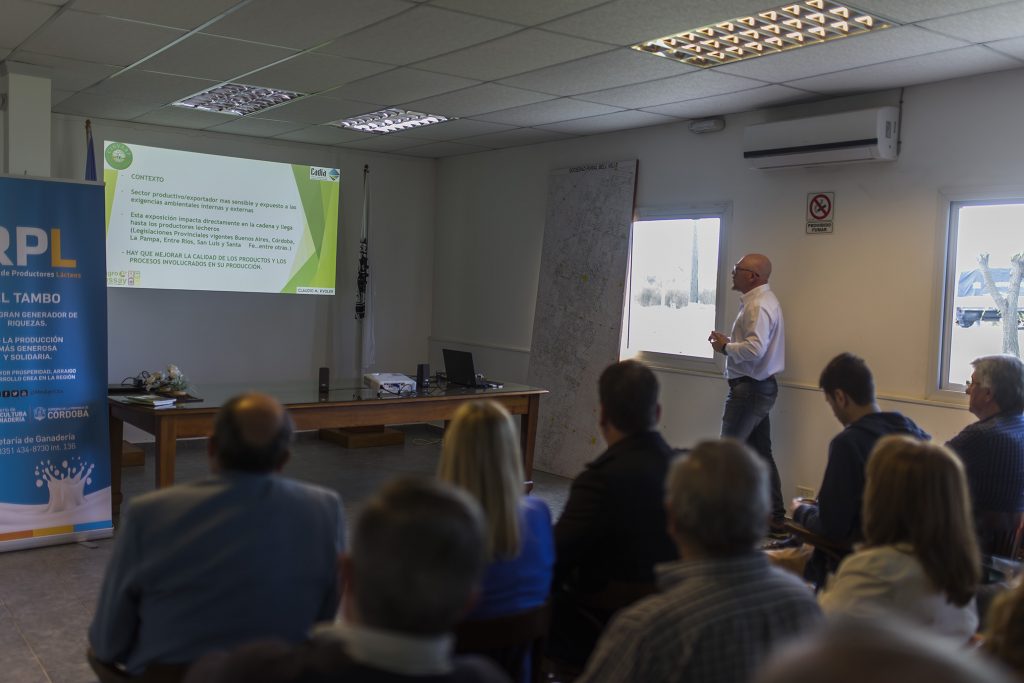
672,289
983,311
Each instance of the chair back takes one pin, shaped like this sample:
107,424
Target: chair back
1001,533
511,641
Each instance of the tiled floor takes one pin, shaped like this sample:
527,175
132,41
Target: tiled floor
47,596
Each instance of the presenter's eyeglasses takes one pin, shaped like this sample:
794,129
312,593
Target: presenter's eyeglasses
736,268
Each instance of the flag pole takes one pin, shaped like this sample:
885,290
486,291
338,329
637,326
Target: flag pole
363,277
90,154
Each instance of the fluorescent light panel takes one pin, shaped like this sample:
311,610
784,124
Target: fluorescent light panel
389,121
790,26
237,99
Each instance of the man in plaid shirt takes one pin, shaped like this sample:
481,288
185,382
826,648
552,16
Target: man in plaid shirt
722,608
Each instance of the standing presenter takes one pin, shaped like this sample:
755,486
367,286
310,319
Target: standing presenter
755,353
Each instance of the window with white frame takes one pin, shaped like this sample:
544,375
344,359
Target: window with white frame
672,289
982,310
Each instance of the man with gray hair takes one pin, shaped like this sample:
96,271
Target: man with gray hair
413,573
722,608
244,553
992,449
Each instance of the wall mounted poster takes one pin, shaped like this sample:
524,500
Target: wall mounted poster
54,444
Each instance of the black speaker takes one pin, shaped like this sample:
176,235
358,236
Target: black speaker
324,383
422,376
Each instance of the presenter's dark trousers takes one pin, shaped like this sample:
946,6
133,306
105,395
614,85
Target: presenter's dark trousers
746,418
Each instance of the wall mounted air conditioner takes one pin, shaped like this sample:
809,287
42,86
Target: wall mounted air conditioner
848,137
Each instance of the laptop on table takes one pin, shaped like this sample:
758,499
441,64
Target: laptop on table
459,369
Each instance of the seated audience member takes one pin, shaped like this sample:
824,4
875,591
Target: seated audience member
722,607
877,651
481,454
1004,634
850,391
612,531
920,559
414,570
245,553
992,449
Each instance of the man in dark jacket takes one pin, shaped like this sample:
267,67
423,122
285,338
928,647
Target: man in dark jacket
850,392
613,529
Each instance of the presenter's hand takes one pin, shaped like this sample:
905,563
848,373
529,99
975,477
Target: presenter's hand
718,340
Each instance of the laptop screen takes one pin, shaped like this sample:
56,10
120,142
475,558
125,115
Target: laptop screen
458,366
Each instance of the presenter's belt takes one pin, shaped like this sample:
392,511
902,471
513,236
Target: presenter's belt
743,379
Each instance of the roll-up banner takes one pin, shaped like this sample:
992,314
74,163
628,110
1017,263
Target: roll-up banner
54,443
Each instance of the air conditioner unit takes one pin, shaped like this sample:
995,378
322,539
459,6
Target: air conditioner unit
848,137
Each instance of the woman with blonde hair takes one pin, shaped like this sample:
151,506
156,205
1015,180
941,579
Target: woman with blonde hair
481,454
920,558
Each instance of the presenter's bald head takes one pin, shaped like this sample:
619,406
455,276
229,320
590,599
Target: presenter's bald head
753,270
252,433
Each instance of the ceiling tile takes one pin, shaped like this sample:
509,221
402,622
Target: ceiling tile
250,125
317,109
20,20
609,122
599,72
324,135
454,129
983,25
938,66
401,85
203,56
69,74
907,11
4,52
624,22
1013,47
383,143
524,51
547,112
435,150
720,105
83,104
524,12
183,118
479,99
515,137
312,73
186,14
415,35
77,35
675,89
847,53
150,87
303,24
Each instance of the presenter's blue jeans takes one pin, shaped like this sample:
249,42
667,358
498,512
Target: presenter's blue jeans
746,418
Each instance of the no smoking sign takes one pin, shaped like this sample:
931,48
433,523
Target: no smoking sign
821,211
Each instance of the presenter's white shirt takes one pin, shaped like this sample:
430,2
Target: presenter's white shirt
758,346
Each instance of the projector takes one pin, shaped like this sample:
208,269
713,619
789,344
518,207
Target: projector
389,382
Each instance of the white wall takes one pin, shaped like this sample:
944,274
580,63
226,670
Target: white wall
218,337
869,288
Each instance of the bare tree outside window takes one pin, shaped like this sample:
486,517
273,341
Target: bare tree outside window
1007,303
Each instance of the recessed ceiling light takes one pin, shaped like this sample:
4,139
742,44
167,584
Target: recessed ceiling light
797,24
389,121
237,99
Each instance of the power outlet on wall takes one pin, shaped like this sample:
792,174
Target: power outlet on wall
804,492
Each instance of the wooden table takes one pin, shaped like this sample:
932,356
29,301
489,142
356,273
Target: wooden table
346,407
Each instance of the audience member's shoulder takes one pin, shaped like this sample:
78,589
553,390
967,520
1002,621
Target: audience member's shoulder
535,507
790,583
302,489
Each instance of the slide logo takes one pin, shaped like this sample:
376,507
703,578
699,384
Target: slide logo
118,155
331,175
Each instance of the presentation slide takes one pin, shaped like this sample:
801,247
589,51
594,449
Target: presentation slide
182,220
